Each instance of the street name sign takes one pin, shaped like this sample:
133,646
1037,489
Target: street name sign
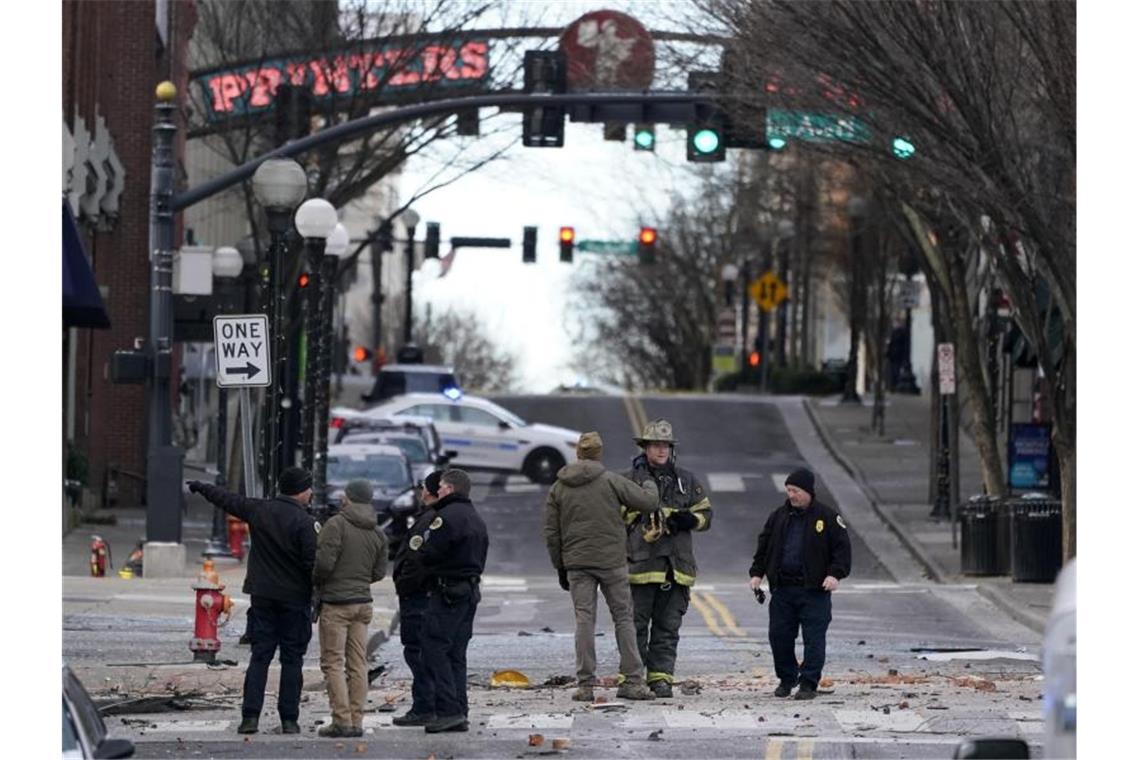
612,247
241,345
946,384
768,291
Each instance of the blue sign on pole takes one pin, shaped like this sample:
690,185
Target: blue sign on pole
1029,450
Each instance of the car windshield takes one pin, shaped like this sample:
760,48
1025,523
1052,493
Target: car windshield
414,448
380,469
428,382
513,418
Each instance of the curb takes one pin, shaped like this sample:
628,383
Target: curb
1011,608
911,545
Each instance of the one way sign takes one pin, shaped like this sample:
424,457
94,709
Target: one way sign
241,345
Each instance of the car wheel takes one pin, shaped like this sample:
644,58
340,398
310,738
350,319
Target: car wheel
542,466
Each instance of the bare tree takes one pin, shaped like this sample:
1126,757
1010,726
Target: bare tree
464,343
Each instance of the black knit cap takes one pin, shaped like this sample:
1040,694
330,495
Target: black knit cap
431,482
802,479
294,480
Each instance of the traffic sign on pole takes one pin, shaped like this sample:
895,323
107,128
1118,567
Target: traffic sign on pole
946,378
768,291
241,346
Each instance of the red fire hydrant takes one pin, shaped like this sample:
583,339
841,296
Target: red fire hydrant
236,531
100,557
209,606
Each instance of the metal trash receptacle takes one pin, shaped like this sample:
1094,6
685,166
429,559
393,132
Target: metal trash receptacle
985,536
1035,543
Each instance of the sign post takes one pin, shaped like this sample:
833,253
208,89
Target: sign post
241,349
946,389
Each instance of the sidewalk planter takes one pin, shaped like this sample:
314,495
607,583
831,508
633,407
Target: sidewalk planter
985,536
1036,539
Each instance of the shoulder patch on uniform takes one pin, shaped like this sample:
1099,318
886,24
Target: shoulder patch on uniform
416,542
436,524
316,526
819,526
839,521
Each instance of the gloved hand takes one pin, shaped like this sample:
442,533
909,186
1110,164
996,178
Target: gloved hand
194,486
655,527
681,520
563,580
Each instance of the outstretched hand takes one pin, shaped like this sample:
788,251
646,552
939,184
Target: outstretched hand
194,486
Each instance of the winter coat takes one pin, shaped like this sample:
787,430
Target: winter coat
826,550
584,528
351,555
453,547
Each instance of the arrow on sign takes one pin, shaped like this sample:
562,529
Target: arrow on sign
249,370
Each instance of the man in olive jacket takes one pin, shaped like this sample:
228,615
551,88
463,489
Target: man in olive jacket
586,538
351,555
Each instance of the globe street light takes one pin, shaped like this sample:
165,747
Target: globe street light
315,221
279,184
336,248
410,219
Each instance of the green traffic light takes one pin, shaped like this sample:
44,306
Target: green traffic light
643,138
902,148
706,141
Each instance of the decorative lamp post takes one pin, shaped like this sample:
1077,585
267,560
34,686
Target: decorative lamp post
279,185
410,219
785,231
336,247
857,209
228,264
315,221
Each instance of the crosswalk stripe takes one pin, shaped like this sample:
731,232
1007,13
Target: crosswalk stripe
774,750
778,479
726,482
804,749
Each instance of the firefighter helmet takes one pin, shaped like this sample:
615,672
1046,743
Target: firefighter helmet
658,431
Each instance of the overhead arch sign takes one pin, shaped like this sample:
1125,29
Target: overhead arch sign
384,69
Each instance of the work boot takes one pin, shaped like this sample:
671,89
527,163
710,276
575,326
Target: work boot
447,723
290,727
248,725
662,689
806,691
635,691
584,693
783,690
337,731
413,719
244,640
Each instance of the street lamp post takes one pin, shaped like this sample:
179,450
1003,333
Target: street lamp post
227,263
315,221
857,209
335,248
279,185
410,219
786,230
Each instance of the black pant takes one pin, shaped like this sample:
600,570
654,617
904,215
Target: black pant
664,608
273,624
413,608
794,607
447,628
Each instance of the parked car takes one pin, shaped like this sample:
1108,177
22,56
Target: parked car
486,436
384,466
84,733
398,379
409,441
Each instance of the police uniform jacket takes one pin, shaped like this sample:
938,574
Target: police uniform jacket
284,544
826,549
452,548
407,582
679,490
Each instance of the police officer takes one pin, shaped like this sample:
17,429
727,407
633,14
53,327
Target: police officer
804,551
412,592
662,567
279,578
448,558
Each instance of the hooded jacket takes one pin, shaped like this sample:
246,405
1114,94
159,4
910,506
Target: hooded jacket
584,527
351,555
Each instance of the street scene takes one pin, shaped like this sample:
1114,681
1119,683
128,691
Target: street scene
525,380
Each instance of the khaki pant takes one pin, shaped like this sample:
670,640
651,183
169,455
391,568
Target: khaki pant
344,636
584,594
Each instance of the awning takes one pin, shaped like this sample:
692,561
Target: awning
82,304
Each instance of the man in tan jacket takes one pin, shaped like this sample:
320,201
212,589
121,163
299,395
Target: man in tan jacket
351,556
586,538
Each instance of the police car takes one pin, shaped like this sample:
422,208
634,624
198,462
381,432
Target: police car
486,436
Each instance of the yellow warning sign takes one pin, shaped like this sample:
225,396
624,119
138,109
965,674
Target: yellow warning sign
768,291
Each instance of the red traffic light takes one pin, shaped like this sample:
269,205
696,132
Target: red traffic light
361,354
754,359
566,234
648,235
303,280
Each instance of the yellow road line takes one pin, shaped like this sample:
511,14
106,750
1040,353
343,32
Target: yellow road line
804,749
725,615
775,747
711,621
627,401
641,419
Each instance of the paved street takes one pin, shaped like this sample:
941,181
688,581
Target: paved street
980,675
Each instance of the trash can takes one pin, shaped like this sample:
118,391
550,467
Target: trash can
1036,538
985,536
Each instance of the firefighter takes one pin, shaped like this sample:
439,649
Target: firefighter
662,568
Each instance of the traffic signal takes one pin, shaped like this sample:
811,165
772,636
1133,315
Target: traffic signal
902,148
530,241
614,131
467,122
646,245
303,280
383,239
544,71
566,245
361,354
704,137
644,137
431,241
754,359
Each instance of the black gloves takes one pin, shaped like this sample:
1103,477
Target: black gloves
681,520
195,486
563,580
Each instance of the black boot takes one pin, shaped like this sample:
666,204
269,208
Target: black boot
806,691
783,690
413,719
447,723
248,725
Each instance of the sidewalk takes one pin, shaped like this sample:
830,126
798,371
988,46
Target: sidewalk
893,471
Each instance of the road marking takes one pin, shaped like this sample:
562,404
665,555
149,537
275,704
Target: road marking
707,613
532,720
521,488
804,748
774,750
164,726
725,614
726,481
503,580
778,479
631,413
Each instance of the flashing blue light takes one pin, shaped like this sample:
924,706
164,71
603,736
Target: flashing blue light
902,148
453,393
777,143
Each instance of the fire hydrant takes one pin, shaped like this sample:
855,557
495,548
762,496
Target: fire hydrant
209,606
236,531
100,557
